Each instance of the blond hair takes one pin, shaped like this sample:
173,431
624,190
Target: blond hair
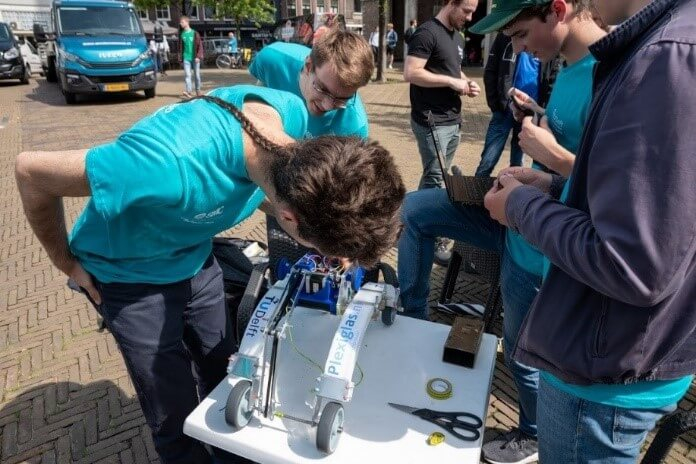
348,54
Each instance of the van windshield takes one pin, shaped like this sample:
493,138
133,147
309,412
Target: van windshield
4,33
91,21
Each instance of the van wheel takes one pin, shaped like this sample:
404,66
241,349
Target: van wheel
150,93
27,73
70,98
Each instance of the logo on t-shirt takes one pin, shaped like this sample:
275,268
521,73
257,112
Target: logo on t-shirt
460,50
205,218
556,123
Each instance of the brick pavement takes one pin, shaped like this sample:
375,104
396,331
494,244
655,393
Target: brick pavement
65,396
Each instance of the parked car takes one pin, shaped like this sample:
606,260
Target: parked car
212,48
11,62
31,58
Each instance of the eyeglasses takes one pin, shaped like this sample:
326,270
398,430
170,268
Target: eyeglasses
337,102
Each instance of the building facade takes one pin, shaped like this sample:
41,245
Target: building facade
350,9
22,14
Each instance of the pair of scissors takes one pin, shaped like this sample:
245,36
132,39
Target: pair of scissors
469,424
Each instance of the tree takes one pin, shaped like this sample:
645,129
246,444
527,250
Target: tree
256,11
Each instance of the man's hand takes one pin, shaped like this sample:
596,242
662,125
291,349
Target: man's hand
197,60
528,176
497,196
540,143
522,101
461,86
474,90
76,272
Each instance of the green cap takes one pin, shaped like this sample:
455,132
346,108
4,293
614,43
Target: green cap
502,12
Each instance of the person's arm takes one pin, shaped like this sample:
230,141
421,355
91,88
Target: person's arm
490,73
43,179
199,47
640,234
420,48
540,144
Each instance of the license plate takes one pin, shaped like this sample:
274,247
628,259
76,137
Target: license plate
116,87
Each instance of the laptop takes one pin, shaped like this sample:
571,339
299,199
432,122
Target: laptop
468,190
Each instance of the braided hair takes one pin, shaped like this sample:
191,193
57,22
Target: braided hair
260,139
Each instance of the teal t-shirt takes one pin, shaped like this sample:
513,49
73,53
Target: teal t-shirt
187,39
642,395
566,111
278,66
167,185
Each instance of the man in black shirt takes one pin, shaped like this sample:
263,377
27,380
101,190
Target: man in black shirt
433,68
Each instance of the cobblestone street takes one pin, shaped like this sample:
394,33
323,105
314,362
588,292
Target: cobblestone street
65,396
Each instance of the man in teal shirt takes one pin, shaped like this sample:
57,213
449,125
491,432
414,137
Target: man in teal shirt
141,249
191,55
327,77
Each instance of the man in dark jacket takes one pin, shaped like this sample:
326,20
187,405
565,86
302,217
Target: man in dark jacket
613,329
497,78
191,54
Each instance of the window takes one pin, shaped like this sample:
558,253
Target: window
357,6
163,12
306,7
334,6
193,12
142,14
209,12
292,8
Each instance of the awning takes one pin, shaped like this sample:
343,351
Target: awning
149,27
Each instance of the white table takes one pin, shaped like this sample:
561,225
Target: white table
397,362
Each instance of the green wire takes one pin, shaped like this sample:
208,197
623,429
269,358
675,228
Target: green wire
314,363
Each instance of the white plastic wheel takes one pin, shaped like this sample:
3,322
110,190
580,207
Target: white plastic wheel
330,427
238,410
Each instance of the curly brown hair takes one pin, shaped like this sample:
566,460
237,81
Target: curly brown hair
346,192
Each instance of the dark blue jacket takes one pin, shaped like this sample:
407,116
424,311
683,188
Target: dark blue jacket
619,303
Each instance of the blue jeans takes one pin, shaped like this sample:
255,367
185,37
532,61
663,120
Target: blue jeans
428,214
163,331
496,136
448,139
573,430
187,75
157,60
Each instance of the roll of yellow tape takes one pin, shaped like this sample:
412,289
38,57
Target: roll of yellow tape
439,388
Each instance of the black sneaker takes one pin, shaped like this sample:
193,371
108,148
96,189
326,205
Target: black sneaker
514,447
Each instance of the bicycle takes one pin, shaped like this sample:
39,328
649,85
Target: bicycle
229,61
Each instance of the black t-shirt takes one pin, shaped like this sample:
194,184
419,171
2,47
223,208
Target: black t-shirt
444,50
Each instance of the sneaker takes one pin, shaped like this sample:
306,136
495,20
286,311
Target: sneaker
461,309
443,251
514,447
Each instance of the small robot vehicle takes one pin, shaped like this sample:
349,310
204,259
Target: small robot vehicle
312,282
